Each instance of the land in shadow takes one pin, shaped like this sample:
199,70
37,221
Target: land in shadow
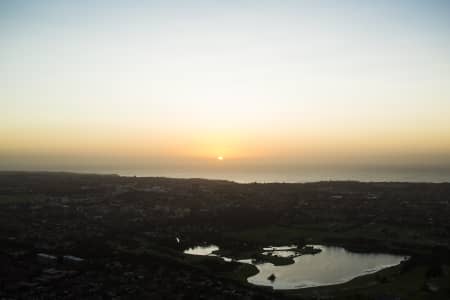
86,236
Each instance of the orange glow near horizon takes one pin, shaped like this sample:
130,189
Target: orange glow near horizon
240,150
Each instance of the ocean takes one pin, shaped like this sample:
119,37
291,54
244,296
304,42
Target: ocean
436,175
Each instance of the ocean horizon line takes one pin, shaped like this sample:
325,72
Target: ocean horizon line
261,177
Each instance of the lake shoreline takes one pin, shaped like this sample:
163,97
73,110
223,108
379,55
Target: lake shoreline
268,272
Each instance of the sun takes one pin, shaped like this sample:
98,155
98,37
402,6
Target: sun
220,158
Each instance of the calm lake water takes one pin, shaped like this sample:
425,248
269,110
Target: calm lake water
205,250
333,265
202,250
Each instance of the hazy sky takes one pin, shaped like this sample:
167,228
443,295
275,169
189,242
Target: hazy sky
265,84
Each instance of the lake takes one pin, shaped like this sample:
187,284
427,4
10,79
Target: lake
333,265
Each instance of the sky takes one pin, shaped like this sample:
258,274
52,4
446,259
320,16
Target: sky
173,85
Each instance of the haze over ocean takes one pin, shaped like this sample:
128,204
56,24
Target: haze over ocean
433,175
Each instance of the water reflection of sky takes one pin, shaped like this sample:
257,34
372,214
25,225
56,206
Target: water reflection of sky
333,265
202,250
281,253
206,250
